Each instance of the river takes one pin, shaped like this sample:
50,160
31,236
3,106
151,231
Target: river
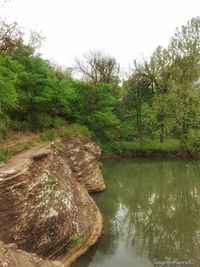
151,209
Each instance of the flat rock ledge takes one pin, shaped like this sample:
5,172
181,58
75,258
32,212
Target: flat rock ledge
45,207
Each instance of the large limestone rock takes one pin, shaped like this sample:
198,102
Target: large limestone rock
11,256
44,204
82,159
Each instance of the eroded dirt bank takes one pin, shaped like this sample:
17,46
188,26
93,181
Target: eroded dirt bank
45,207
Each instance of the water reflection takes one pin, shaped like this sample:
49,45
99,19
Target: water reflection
152,210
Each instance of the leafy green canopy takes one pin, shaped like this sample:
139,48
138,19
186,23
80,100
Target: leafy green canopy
160,98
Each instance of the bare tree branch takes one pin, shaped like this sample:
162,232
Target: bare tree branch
98,67
10,36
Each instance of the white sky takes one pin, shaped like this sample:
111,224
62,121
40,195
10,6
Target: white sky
126,29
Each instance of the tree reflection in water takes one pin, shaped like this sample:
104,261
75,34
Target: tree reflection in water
153,207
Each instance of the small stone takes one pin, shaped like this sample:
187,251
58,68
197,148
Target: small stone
12,246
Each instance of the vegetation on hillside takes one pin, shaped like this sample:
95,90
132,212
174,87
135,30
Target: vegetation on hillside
159,101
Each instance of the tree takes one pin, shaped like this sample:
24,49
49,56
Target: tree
35,40
10,37
138,91
172,77
184,50
8,81
97,67
158,71
93,106
8,92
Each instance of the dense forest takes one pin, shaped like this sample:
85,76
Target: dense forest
157,103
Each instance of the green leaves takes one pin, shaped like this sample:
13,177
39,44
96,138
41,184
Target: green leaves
159,99
163,92
8,82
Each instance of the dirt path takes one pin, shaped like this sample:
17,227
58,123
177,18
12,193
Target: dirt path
18,138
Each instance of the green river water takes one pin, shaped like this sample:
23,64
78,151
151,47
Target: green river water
151,210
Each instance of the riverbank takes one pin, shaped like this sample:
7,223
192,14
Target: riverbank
17,142
147,148
76,154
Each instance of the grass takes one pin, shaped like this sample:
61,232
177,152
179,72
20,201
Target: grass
15,144
3,154
71,131
8,152
74,240
146,147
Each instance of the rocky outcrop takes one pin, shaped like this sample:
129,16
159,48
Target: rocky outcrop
45,207
82,159
10,255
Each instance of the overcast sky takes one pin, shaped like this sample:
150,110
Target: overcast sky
125,29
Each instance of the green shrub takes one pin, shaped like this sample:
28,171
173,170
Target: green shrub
71,131
76,239
3,154
144,146
20,125
41,121
194,140
58,122
49,135
4,126
77,130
